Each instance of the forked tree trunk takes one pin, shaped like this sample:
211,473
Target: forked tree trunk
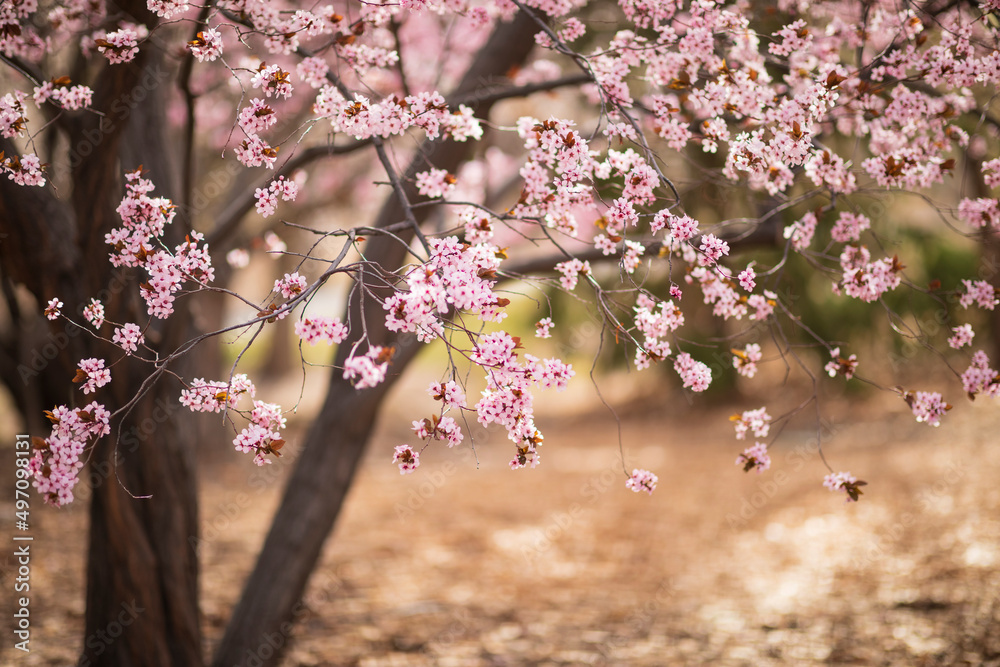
142,578
259,629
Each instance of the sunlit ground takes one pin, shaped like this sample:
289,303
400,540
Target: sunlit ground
562,565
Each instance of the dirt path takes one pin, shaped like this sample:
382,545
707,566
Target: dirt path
459,566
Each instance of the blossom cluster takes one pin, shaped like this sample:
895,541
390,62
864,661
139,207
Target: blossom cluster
56,463
138,243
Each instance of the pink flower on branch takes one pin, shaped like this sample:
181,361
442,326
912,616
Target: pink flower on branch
846,482
642,480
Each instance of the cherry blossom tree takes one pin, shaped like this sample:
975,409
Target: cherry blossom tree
142,140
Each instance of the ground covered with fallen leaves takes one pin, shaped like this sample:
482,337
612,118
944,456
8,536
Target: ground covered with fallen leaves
466,563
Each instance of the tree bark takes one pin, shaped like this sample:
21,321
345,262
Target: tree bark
142,583
259,629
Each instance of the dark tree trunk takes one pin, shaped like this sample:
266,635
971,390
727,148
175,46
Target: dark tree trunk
259,629
142,584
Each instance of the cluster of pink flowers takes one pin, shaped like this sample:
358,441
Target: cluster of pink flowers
257,116
748,278
543,327
128,337
981,212
216,396
438,428
745,360
435,183
56,463
927,406
25,169
865,279
962,336
754,457
316,329
261,436
62,93
407,458
846,482
12,118
53,309
167,8
119,46
756,421
841,366
849,226
92,374
267,199
642,480
273,81
207,45
695,375
368,370
571,271
979,292
291,285
456,275
94,313
362,118
255,152
979,378
137,243
801,232
450,393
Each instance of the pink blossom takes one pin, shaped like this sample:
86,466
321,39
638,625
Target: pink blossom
754,457
979,378
642,480
12,118
849,226
55,466
291,285
926,406
52,309
745,360
26,169
757,421
846,482
92,374
979,213
257,116
407,458
128,337
119,46
801,232
571,270
273,81
94,313
979,292
748,278
840,365
368,370
166,9
694,374
435,183
316,329
207,45
963,336
542,327
713,248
